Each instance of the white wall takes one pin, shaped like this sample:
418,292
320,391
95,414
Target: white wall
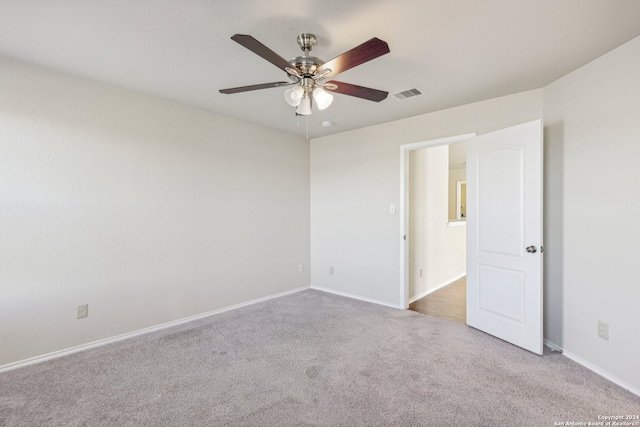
146,210
592,144
355,176
434,247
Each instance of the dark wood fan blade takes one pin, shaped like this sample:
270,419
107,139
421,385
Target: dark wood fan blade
358,55
254,87
261,50
359,91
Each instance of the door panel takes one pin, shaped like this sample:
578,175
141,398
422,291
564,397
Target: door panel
501,202
501,292
504,216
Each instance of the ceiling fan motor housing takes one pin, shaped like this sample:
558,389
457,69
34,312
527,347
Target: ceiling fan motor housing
307,64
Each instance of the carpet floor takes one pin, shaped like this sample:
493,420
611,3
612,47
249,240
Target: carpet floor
310,359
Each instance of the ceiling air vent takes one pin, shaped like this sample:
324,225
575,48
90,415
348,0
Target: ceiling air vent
401,96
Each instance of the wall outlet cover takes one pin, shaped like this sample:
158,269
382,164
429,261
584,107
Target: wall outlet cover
603,330
83,311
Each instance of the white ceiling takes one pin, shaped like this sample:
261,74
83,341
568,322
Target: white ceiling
457,51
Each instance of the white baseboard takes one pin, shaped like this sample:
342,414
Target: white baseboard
440,286
594,368
99,343
358,297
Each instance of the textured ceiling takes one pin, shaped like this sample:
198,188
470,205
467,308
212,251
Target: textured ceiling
456,51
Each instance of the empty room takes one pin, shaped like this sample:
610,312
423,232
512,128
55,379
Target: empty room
219,212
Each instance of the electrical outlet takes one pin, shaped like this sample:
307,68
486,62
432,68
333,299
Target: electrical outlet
300,268
83,311
603,330
330,269
420,272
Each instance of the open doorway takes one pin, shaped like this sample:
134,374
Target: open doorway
436,231
504,231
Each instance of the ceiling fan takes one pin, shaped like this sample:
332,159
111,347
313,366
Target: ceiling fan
309,74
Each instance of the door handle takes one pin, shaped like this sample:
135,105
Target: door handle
531,249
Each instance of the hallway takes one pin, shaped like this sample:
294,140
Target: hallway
449,302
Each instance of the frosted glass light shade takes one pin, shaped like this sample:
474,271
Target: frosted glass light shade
304,109
294,95
322,98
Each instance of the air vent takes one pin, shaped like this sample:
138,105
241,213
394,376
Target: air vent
401,96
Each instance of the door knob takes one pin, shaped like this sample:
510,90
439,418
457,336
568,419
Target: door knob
532,249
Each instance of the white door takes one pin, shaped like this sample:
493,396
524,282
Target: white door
504,234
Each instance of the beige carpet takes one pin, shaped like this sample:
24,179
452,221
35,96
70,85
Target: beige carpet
310,359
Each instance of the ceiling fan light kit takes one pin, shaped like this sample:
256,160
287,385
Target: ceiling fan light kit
304,109
322,97
308,73
293,96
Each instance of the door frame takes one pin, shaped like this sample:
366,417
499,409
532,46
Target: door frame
404,200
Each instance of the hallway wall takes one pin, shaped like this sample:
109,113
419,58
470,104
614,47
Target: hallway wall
436,248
